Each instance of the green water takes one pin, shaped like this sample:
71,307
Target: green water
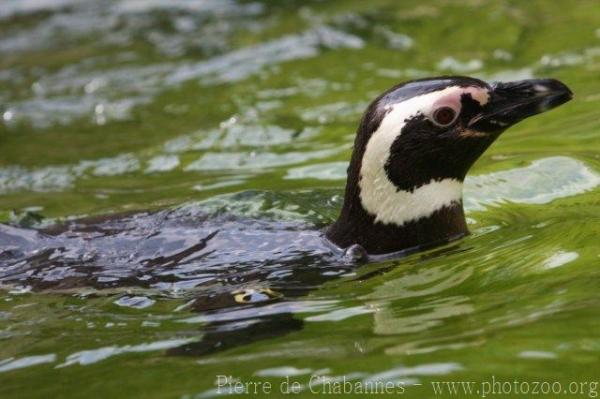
126,105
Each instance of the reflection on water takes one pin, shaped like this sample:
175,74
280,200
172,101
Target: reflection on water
86,357
539,183
216,134
110,94
28,361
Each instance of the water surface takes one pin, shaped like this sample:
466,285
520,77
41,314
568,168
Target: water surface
244,112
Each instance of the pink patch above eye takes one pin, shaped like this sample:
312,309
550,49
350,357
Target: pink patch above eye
453,99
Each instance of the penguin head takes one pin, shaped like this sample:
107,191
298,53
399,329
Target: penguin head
417,141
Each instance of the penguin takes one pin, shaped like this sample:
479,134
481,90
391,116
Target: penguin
414,146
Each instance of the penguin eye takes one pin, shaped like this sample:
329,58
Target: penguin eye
444,116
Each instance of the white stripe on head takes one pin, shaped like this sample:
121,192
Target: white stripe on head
378,195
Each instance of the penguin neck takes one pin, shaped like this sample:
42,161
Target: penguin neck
382,218
386,216
356,225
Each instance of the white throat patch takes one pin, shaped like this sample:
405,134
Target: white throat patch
378,195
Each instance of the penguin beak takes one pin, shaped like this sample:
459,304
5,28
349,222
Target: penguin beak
511,102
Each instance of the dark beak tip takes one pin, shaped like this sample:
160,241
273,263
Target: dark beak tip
556,93
532,88
517,100
547,93
555,87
